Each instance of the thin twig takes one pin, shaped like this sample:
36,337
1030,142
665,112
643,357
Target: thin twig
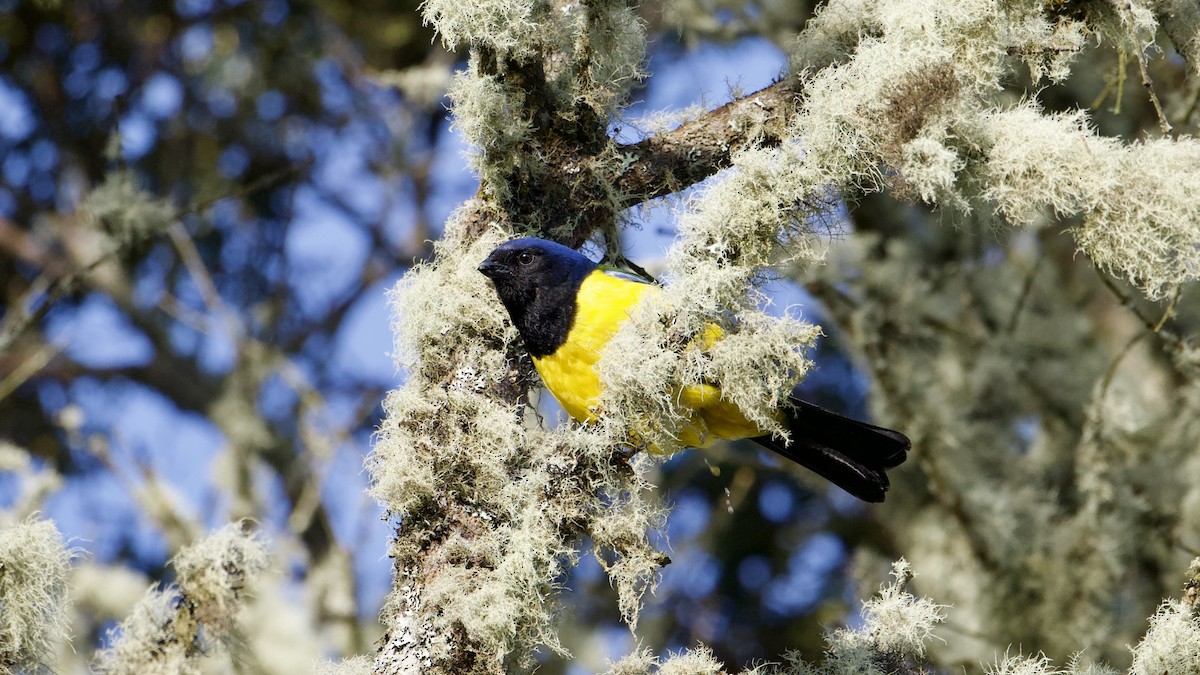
199,273
27,368
1170,310
264,181
1119,85
1111,371
66,285
1152,325
59,289
1141,61
1026,291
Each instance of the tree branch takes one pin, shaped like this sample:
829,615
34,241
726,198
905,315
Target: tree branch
1181,21
670,162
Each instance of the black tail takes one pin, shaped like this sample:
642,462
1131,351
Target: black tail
852,455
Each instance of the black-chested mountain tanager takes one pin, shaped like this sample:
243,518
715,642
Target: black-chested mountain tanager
566,309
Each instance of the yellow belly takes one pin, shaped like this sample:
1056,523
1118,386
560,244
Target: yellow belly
571,374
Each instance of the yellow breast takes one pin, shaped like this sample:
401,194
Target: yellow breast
570,373
602,305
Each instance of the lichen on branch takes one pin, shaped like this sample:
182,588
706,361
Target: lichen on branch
34,563
173,629
490,509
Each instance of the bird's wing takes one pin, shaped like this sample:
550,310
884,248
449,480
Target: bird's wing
618,273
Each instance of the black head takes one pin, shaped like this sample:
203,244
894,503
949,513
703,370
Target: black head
537,281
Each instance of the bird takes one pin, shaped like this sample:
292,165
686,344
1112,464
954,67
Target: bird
566,308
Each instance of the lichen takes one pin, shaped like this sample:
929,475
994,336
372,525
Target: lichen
172,629
34,563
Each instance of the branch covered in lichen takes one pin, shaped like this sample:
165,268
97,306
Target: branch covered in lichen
33,595
173,629
489,509
1181,20
897,628
892,641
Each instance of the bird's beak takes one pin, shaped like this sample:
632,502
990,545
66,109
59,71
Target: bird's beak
490,268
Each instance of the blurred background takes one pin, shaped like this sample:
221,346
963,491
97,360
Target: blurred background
203,204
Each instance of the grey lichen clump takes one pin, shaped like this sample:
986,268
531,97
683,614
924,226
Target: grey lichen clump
173,629
125,212
33,595
1130,226
541,81
1172,644
763,213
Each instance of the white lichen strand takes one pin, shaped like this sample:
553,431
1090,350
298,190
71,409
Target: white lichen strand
357,665
214,574
1042,665
699,661
932,169
619,539
34,564
1025,665
832,33
640,371
760,363
640,661
512,27
1137,18
147,641
492,118
899,623
762,213
606,44
662,349
1172,644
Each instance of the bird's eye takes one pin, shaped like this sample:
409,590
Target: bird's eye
525,257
